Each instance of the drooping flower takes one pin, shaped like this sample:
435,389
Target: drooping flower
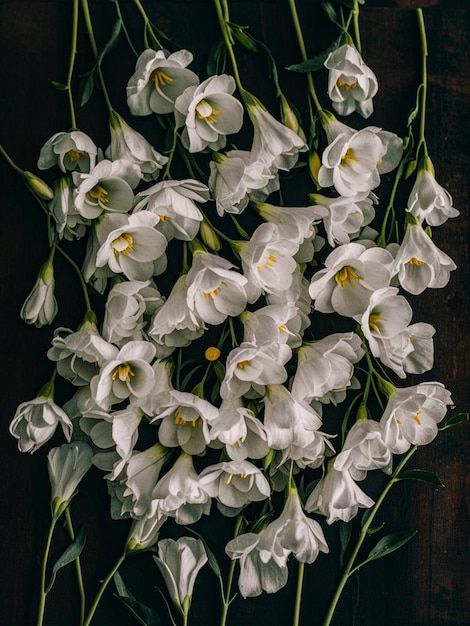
345,216
40,307
71,151
158,80
68,221
429,201
351,83
209,113
364,450
66,466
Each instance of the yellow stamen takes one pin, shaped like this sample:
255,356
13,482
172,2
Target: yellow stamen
241,364
75,155
229,479
374,322
164,218
98,193
204,111
242,475
123,244
160,78
349,157
347,86
123,372
347,274
416,419
415,261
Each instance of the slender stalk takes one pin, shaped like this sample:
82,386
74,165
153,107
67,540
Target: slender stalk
73,53
303,54
78,567
102,589
10,161
424,79
79,274
357,32
223,18
42,589
390,207
298,594
228,590
185,619
363,534
174,143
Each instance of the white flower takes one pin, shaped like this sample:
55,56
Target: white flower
108,187
421,358
234,484
420,264
428,201
238,176
337,497
180,562
40,307
174,201
325,368
178,493
174,324
72,150
279,323
158,80
35,421
352,273
127,143
215,291
152,403
252,366
124,425
268,261
297,296
127,375
144,532
364,450
344,216
132,246
66,466
185,421
209,113
351,83
412,414
68,221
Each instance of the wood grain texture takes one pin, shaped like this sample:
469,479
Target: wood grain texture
423,584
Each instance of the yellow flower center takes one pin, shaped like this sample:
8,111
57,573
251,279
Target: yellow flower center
374,322
348,157
242,364
123,244
123,372
164,218
160,79
204,111
75,155
182,422
269,263
215,292
415,261
347,86
212,353
98,193
347,274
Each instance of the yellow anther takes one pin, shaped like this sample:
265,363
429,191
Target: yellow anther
123,244
347,274
348,157
415,261
242,475
416,419
374,322
204,111
123,372
98,193
241,364
212,353
272,258
160,78
399,422
229,479
164,218
347,86
75,155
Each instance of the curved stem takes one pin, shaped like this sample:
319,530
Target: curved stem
102,589
228,590
349,567
303,54
79,274
381,241
298,594
166,173
78,568
73,53
357,33
10,161
424,79
42,590
223,18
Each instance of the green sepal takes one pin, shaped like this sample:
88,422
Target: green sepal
243,38
411,167
69,555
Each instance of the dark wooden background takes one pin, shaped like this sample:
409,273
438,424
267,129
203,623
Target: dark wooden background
425,583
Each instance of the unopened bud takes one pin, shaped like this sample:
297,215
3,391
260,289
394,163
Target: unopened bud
362,413
289,118
38,186
209,236
386,387
314,164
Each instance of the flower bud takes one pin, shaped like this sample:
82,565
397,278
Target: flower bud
209,236
314,164
40,306
288,116
38,186
362,413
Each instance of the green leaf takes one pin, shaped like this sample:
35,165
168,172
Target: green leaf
85,88
210,556
389,544
243,38
414,112
344,538
217,58
69,555
141,613
219,369
411,167
422,475
459,418
375,529
316,63
329,10
59,86
189,375
112,41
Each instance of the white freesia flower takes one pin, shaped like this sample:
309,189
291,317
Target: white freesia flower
133,246
364,450
337,497
66,466
297,223
121,429
152,403
215,291
158,80
72,150
429,201
144,532
68,221
175,325
126,305
209,113
412,414
238,176
179,562
36,421
40,307
345,216
108,187
298,296
242,433
279,323
179,495
352,273
421,358
420,264
128,144
268,261
174,201
185,421
252,366
325,368
235,484
127,375
351,83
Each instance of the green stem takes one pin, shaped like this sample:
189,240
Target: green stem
42,590
223,18
303,54
78,567
10,161
228,590
357,33
349,567
382,240
102,589
216,230
79,274
73,53
126,32
166,173
424,79
298,595
94,47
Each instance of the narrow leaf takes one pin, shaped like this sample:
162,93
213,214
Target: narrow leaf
344,538
329,10
210,556
85,88
389,544
69,555
422,475
412,115
111,43
454,420
216,60
316,63
375,529
59,86
143,614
